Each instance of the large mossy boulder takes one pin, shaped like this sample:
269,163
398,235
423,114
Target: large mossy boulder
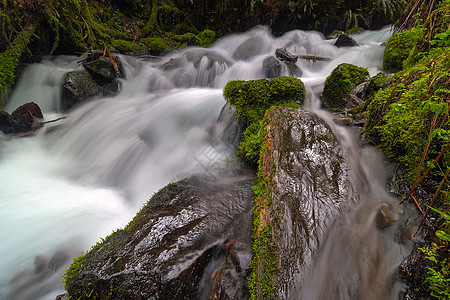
191,240
337,87
253,97
399,48
302,187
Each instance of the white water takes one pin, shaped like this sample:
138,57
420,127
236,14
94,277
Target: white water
83,177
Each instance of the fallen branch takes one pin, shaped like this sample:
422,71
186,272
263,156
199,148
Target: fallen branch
110,56
313,57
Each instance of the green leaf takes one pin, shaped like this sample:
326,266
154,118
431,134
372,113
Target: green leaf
442,235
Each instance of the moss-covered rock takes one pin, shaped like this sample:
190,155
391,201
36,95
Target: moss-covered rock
125,46
156,46
207,37
400,47
339,83
376,83
400,117
252,98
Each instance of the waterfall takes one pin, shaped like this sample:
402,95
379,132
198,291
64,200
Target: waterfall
80,178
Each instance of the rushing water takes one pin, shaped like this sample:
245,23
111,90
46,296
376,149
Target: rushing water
80,178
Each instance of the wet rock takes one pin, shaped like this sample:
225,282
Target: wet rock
78,87
23,119
271,67
249,49
338,85
385,216
5,122
186,230
306,188
345,40
293,69
285,55
102,70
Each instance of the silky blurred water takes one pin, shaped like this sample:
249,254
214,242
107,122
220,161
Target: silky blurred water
82,177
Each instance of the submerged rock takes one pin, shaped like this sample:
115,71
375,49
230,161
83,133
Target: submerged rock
191,234
303,187
271,67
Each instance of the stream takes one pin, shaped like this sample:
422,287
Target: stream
82,177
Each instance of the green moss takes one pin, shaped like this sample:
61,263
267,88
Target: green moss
249,148
340,82
156,46
354,30
399,118
252,98
73,270
9,60
401,47
126,46
206,37
262,284
377,82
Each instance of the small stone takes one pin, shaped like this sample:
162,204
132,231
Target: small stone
385,216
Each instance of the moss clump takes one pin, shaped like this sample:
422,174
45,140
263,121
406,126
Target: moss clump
400,118
354,30
377,82
156,46
340,82
206,37
252,98
401,47
8,63
126,46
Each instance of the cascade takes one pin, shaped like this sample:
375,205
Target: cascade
80,178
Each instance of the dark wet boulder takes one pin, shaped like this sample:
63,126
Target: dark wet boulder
78,87
249,49
5,122
302,188
192,237
284,55
24,118
102,69
338,85
271,67
345,40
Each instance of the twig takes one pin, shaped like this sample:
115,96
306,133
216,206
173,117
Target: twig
426,172
423,214
436,194
110,57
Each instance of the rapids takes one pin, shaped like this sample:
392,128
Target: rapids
80,178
